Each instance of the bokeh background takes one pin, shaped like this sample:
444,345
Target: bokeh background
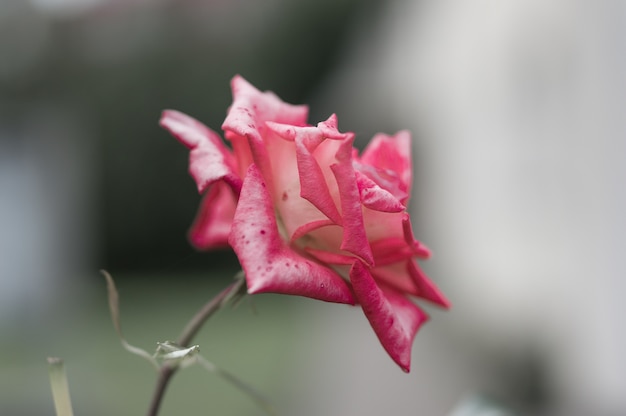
517,113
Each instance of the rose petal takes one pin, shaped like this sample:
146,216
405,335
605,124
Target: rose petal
392,154
393,317
212,224
376,198
390,250
314,182
382,225
426,288
419,249
298,214
354,236
247,116
309,228
270,265
209,159
396,276
391,237
329,257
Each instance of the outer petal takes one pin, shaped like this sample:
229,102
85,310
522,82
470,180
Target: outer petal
419,249
382,225
212,224
396,276
390,158
393,154
246,119
390,251
426,288
270,265
209,159
376,198
391,237
393,317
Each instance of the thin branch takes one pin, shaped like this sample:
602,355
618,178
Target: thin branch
190,331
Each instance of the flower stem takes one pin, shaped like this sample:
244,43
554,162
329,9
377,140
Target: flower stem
166,372
60,389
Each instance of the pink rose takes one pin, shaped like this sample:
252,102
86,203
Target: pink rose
306,215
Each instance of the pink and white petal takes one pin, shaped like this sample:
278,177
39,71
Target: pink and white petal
313,186
390,250
330,129
214,219
241,151
249,112
326,238
316,181
269,264
376,198
382,225
396,276
310,136
354,235
308,228
327,257
419,249
394,318
252,105
425,287
295,212
391,153
317,201
385,179
209,159
393,248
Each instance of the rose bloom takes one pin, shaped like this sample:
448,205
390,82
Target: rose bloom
306,215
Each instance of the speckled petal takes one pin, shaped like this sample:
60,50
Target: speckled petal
269,264
426,288
376,198
316,181
419,249
391,154
396,276
394,318
209,159
246,119
215,216
354,236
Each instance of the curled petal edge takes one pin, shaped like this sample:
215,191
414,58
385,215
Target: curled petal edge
269,264
391,153
394,318
376,198
306,140
354,237
211,227
425,287
245,123
209,159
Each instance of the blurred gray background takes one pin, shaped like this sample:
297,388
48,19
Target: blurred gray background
517,113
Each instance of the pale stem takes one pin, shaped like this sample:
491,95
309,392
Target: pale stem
60,389
192,328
